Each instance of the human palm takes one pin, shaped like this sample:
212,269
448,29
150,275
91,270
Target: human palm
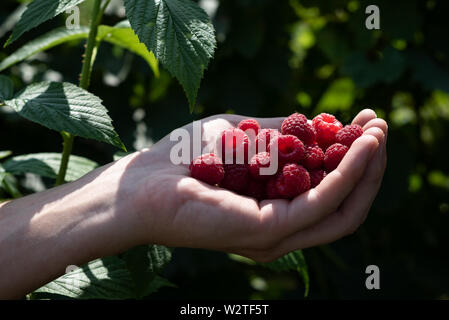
174,209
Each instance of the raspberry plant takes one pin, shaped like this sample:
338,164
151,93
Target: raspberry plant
176,33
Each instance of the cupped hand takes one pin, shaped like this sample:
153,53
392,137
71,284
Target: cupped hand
171,208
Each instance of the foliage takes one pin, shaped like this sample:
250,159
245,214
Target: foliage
271,58
176,32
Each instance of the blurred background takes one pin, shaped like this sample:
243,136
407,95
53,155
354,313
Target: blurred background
274,58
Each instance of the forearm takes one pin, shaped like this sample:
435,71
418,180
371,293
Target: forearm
41,234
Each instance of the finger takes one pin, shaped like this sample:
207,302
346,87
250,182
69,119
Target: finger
273,123
346,220
314,205
363,117
377,122
356,206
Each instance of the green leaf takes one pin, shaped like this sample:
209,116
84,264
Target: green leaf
120,35
180,35
123,36
365,73
293,261
47,165
5,153
11,19
144,263
66,107
44,42
6,88
105,278
338,97
9,183
38,12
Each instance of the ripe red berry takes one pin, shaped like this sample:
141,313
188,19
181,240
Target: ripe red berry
348,134
236,177
234,146
289,148
208,168
316,176
333,156
260,160
313,157
255,189
249,124
292,181
271,191
326,127
264,138
297,125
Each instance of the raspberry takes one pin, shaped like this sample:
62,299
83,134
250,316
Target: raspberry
208,168
326,127
297,125
234,145
259,160
333,156
313,157
316,176
348,134
264,138
290,148
255,189
235,177
292,181
248,124
271,191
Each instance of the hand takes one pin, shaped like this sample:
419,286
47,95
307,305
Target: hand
144,198
174,209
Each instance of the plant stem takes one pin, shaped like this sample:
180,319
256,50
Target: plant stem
66,150
91,43
84,84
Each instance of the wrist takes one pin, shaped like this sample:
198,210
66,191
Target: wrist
105,209
67,225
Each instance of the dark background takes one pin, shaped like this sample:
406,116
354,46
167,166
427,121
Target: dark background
273,58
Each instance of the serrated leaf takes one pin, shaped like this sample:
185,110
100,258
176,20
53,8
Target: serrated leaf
293,261
6,88
11,20
38,12
180,35
144,263
66,107
105,278
47,165
120,35
123,36
5,153
44,42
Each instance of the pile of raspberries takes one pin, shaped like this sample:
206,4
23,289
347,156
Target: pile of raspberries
307,151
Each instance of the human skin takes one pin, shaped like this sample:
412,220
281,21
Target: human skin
143,198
